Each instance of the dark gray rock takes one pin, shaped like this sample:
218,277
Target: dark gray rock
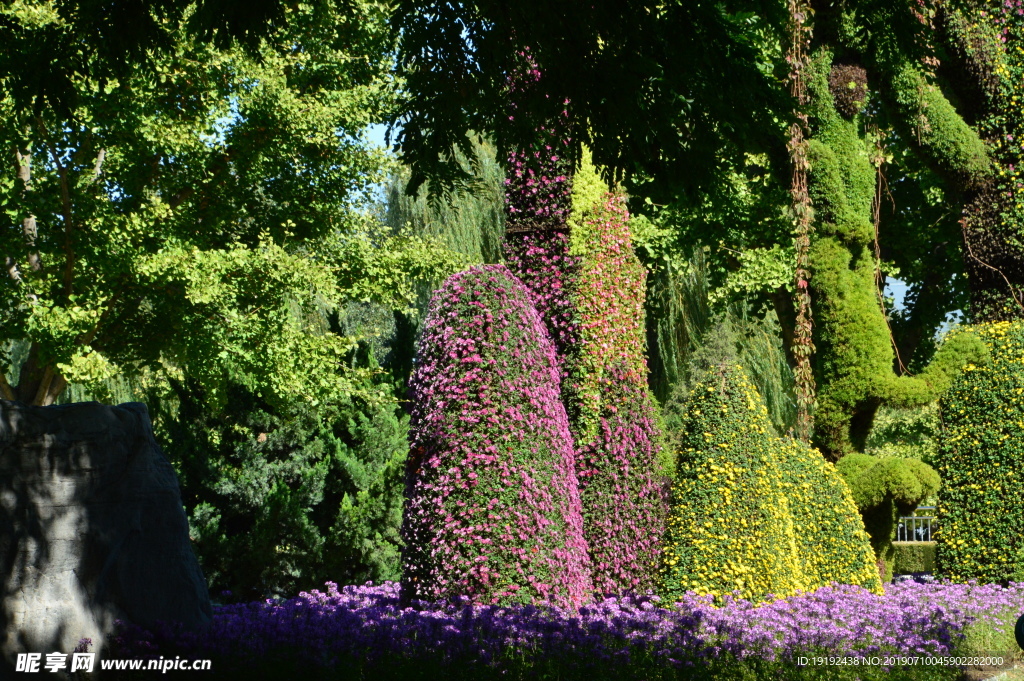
91,528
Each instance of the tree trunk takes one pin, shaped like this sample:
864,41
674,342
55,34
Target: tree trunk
38,384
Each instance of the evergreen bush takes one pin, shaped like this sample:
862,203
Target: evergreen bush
752,512
914,557
281,498
831,538
885,489
981,451
493,509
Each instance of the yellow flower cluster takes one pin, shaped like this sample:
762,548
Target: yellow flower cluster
979,459
753,512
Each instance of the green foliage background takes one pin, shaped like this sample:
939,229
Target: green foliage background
282,500
205,238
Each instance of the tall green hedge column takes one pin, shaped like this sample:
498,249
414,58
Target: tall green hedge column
981,514
854,363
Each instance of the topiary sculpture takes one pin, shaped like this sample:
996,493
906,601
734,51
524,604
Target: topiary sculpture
747,505
981,451
612,412
492,509
569,243
884,489
854,362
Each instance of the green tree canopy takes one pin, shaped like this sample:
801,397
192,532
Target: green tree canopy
209,211
660,89
51,47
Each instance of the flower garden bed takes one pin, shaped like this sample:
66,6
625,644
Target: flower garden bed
364,632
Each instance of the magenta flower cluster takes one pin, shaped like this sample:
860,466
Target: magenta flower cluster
624,501
538,186
538,182
365,631
542,262
492,506
592,306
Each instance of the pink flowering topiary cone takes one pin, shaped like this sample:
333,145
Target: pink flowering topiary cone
492,506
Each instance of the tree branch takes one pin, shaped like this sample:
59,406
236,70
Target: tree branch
29,230
6,391
97,169
44,387
66,213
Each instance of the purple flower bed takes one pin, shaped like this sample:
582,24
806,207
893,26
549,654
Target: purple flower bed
367,626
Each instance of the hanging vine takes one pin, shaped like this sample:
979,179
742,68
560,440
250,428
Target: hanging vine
803,213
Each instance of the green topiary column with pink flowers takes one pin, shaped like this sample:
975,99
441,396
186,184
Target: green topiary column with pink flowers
492,506
611,409
572,249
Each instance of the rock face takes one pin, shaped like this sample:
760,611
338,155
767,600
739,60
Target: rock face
91,528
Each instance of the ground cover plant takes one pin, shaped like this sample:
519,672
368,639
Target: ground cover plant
364,632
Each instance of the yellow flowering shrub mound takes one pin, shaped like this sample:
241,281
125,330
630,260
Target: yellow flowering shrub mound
833,542
753,512
981,461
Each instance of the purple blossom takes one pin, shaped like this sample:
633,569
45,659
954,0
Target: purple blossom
366,628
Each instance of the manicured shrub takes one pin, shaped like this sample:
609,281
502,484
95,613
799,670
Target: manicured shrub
914,557
538,185
541,260
831,538
588,286
607,300
492,510
854,355
623,499
611,409
981,460
538,202
885,489
752,512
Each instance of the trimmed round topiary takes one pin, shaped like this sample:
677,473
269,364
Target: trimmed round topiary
981,460
492,509
752,512
885,488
